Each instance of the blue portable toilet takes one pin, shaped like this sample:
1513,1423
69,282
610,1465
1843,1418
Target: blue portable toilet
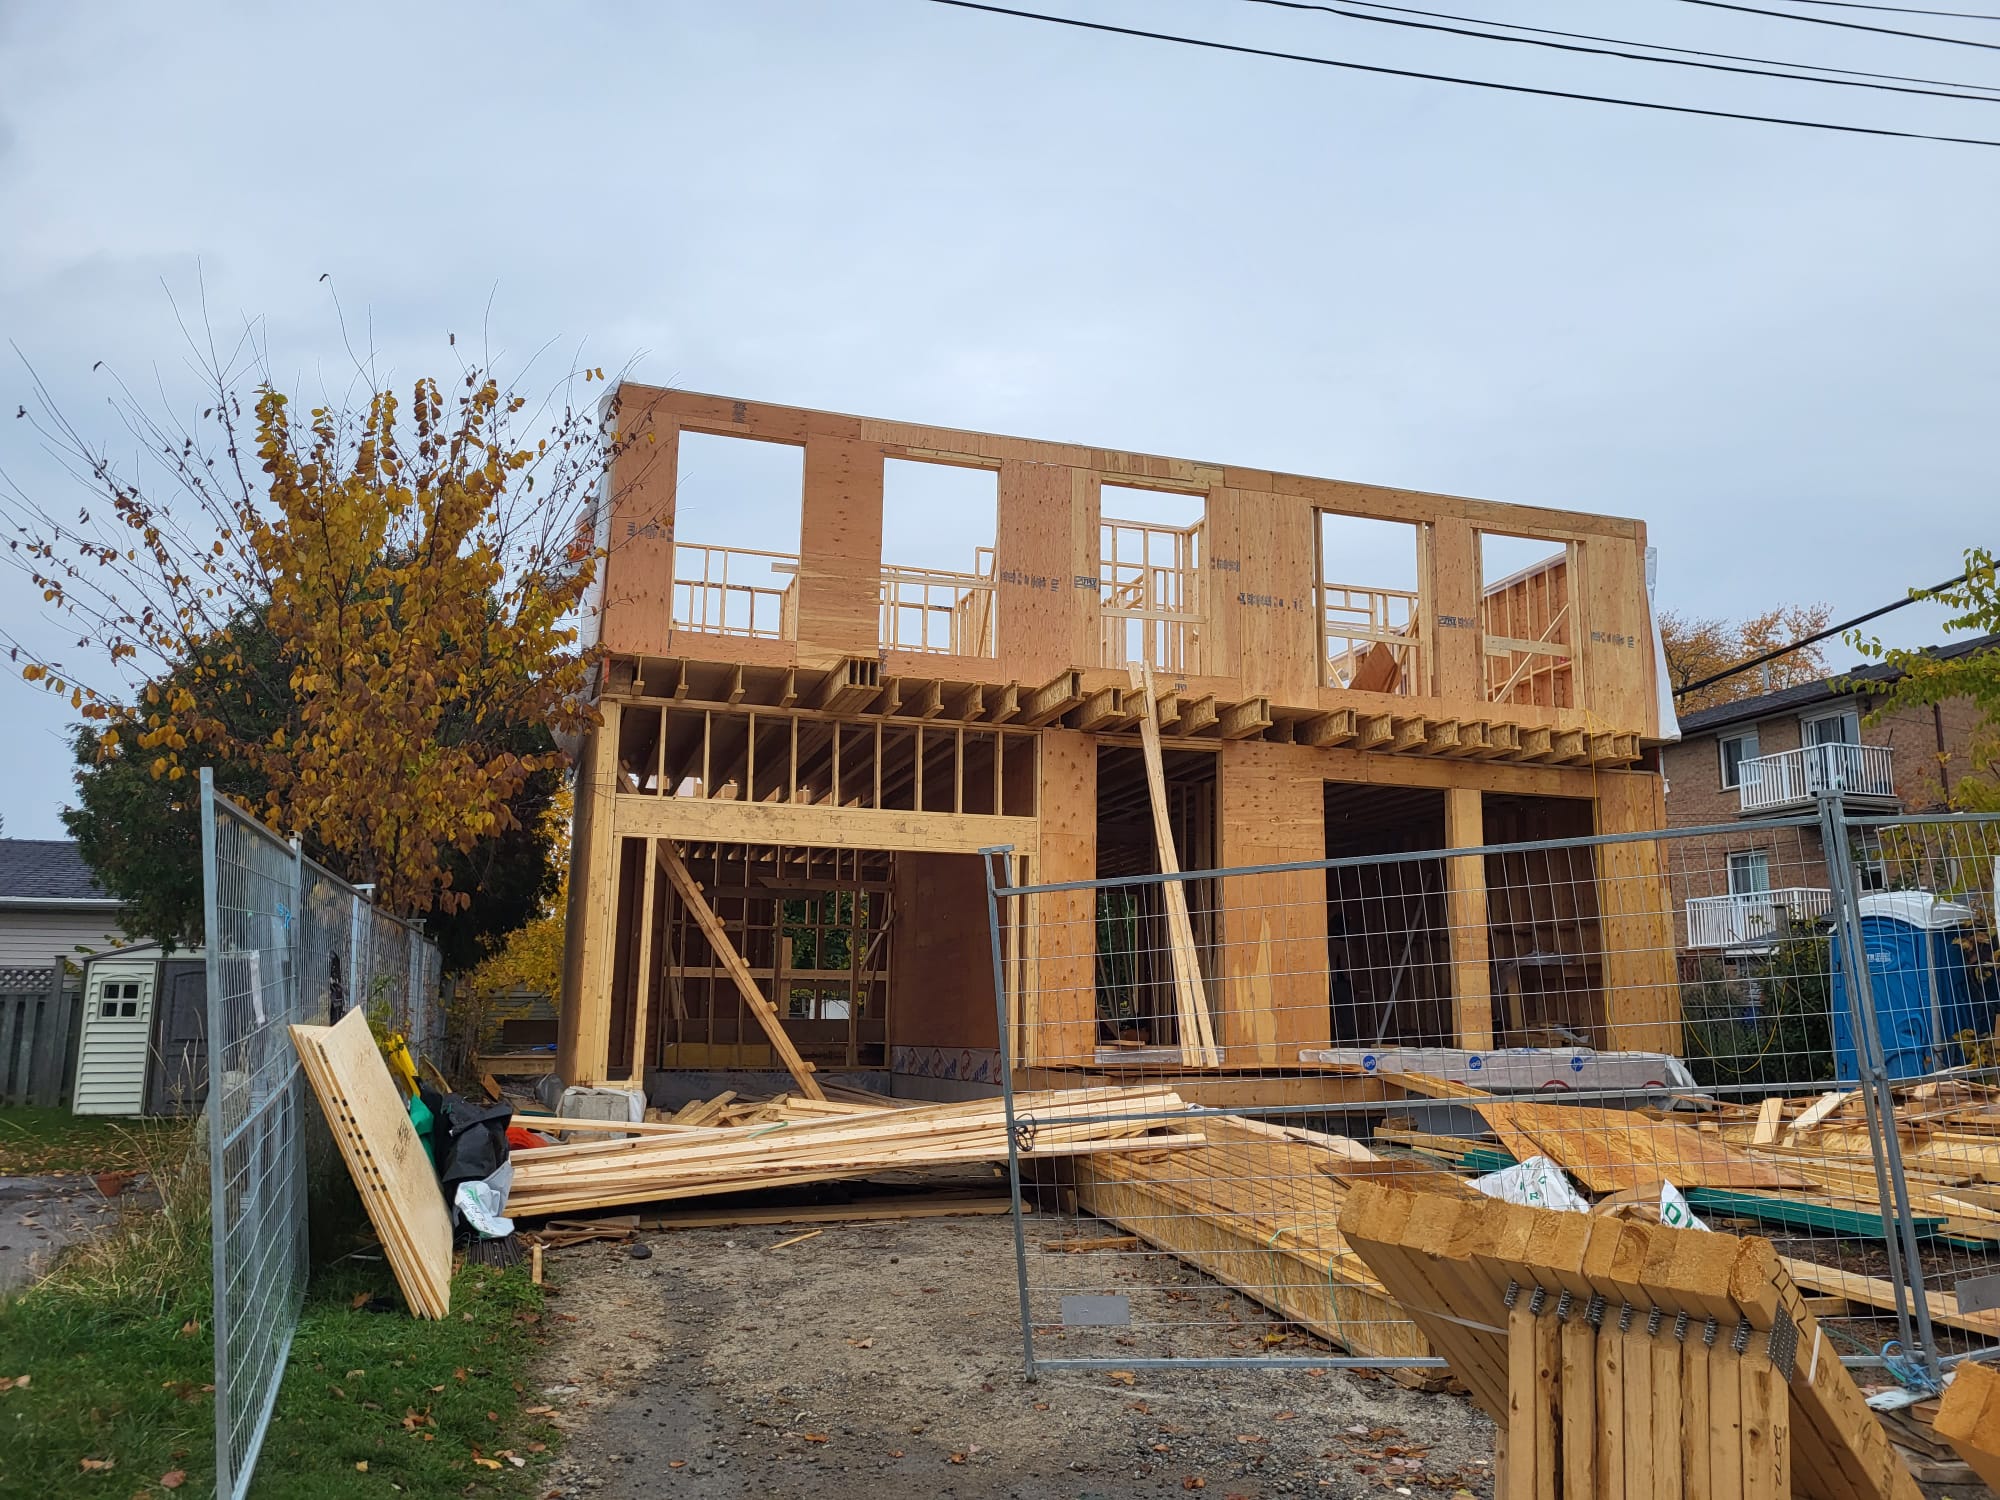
1920,975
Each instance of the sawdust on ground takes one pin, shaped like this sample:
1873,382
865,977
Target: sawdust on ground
883,1360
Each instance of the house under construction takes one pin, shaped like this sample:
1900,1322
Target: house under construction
806,742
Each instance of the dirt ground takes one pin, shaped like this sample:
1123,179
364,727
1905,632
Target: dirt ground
883,1359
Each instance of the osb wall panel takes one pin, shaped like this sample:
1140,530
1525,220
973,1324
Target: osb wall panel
1272,983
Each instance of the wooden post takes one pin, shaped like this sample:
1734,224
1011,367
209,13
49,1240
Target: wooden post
1197,1030
753,998
642,999
1472,980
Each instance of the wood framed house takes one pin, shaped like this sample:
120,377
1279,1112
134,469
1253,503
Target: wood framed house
816,727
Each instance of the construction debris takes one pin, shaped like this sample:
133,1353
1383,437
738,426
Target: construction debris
855,1142
1723,1382
1969,1419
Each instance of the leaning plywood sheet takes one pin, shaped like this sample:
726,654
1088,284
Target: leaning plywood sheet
383,1155
1611,1149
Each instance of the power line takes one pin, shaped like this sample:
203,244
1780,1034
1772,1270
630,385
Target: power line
1813,640
1788,15
1906,10
1674,62
1477,83
1585,36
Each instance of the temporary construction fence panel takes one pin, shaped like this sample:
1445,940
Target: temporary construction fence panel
286,941
1658,1025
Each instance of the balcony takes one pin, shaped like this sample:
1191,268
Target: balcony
1754,919
1790,780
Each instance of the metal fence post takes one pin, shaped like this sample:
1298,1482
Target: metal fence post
1877,1097
218,1135
989,858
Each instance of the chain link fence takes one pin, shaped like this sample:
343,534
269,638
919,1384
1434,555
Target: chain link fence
286,942
1781,1026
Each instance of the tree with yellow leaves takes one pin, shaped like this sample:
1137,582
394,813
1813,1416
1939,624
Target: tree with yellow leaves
367,620
1697,648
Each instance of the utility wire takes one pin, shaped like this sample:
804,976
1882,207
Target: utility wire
1477,83
1791,15
1585,36
1905,10
1675,62
1813,640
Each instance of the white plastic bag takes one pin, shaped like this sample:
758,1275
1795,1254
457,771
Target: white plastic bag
483,1203
1534,1183
1674,1210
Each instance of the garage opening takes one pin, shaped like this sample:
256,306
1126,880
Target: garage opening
1546,941
1388,938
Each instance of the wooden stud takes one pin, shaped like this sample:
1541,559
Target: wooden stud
1197,1032
760,1008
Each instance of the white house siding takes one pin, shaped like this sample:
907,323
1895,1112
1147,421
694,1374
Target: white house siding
32,939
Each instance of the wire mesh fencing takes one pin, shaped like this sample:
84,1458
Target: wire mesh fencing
1703,1025
285,942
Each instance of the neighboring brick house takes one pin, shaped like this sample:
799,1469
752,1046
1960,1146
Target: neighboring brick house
1753,763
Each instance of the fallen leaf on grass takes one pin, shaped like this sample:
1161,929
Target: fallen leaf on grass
487,1463
361,1467
190,1328
93,1465
173,1479
20,1382
359,1300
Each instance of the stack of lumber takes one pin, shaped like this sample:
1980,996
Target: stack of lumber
369,1122
1256,1207
677,1161
1627,1359
728,1109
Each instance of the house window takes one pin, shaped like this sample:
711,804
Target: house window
1736,748
1749,873
1843,728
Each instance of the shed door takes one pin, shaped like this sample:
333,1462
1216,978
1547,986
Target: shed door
179,1077
117,1031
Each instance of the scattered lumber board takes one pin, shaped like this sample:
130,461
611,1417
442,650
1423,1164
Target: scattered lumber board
576,1178
891,1206
365,1113
1609,1149
1969,1419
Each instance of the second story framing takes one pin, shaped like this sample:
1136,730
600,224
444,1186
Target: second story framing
1382,618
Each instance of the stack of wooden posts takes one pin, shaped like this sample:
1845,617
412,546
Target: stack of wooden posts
398,1186
674,1160
1627,1359
1256,1208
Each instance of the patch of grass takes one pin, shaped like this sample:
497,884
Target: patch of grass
116,1347
34,1142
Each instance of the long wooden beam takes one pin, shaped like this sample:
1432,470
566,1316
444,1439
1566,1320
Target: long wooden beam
1197,1030
718,939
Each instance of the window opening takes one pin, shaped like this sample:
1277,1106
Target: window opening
734,498
1371,606
1736,749
1527,618
938,528
1151,550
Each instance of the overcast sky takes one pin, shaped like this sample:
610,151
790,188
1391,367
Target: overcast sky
1775,346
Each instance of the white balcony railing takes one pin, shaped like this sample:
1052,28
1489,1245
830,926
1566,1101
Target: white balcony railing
1753,919
1793,777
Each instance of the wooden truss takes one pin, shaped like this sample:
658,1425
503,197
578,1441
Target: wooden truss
1629,1360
